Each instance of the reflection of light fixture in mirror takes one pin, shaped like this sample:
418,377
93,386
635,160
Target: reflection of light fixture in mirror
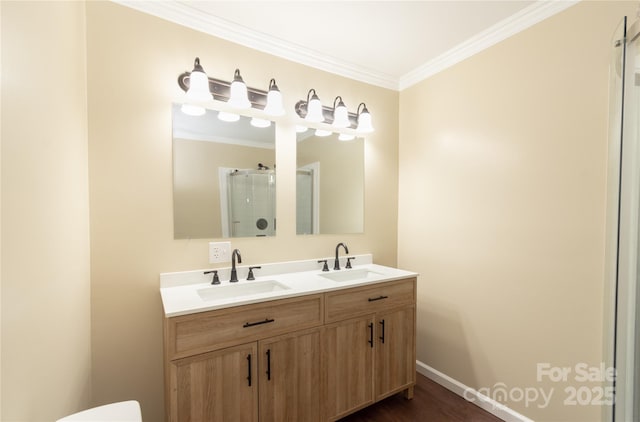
314,108
364,120
198,90
340,114
301,129
238,97
322,133
256,122
225,116
274,100
346,137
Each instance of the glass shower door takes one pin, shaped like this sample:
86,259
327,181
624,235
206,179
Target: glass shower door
623,218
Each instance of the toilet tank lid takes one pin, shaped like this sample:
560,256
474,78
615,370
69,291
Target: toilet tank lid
124,411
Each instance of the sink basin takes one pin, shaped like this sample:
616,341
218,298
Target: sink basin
351,275
229,291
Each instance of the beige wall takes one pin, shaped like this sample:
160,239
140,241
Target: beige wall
133,62
502,201
46,367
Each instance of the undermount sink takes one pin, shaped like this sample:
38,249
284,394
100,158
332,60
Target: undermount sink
352,275
241,289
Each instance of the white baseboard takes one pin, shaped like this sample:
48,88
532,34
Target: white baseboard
468,393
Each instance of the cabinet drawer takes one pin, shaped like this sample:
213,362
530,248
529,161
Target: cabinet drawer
197,333
358,301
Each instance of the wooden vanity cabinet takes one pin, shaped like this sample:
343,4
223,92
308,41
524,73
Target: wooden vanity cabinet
372,356
272,375
311,358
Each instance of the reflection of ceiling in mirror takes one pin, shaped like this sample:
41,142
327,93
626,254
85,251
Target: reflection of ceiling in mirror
209,128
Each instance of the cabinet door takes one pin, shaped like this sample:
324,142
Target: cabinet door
290,377
395,367
215,386
348,359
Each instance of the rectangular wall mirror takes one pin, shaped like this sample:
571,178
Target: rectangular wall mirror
224,177
329,184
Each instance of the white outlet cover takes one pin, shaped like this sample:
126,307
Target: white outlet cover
219,252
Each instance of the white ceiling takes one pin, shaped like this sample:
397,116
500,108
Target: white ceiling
392,44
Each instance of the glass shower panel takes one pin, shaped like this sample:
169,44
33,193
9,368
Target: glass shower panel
252,203
304,201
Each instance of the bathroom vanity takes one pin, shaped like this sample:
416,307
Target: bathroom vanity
315,346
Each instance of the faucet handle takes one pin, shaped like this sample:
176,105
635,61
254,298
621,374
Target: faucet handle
216,279
250,276
325,267
349,261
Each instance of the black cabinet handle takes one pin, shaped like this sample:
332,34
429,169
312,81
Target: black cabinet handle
377,298
249,369
251,324
382,337
268,364
371,334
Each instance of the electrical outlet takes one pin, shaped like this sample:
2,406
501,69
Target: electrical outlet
219,252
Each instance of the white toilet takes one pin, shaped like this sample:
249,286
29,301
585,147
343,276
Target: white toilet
124,411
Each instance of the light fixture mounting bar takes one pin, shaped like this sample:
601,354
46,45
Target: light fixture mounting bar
327,113
221,90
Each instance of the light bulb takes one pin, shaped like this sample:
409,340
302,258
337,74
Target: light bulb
238,96
274,100
340,114
314,108
364,120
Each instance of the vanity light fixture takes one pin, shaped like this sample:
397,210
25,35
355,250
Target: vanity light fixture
364,120
340,114
201,89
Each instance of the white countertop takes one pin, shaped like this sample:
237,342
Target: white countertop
182,292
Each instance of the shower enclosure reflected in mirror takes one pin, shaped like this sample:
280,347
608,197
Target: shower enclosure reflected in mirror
224,177
329,184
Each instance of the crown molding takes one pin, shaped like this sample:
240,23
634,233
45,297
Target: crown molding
185,15
504,29
182,14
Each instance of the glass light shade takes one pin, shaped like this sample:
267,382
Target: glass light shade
260,122
314,111
322,133
364,122
198,87
301,129
225,116
274,103
192,110
341,116
238,96
346,137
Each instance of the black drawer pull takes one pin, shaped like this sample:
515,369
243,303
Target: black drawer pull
268,364
382,337
371,334
251,324
249,369
378,298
